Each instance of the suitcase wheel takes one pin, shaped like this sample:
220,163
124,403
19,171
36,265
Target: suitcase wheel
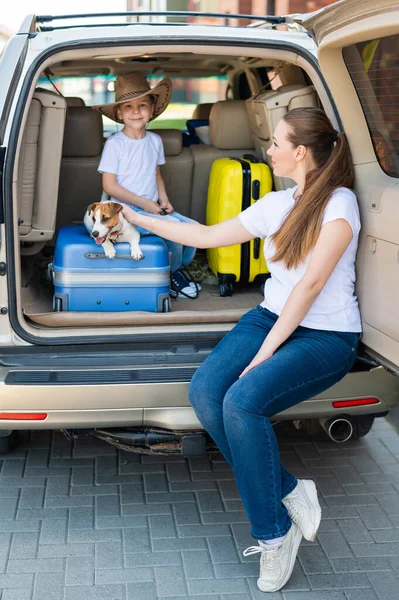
225,289
50,272
166,305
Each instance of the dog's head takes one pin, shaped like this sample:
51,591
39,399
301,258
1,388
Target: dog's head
105,217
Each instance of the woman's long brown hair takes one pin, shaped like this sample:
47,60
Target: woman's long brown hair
298,233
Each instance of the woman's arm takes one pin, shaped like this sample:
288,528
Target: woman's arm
114,190
332,242
227,233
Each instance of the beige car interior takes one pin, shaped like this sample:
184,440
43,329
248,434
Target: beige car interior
74,132
74,101
202,111
230,135
177,172
80,182
39,169
267,108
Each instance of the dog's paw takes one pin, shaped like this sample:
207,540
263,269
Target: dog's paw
137,255
110,253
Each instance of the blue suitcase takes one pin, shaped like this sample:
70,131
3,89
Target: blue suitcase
86,280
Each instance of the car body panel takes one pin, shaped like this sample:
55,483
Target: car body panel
158,404
336,27
332,19
93,403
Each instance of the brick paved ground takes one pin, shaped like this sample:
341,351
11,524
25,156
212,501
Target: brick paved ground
84,522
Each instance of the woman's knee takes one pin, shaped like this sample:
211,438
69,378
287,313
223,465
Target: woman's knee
233,414
205,395
200,389
238,409
195,390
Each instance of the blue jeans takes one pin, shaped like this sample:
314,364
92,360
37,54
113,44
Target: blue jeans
236,412
180,256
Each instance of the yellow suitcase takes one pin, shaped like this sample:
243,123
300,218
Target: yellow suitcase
235,184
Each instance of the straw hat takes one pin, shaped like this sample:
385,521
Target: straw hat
132,86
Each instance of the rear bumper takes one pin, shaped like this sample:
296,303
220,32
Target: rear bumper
163,405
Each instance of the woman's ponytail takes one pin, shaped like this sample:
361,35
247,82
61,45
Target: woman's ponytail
334,168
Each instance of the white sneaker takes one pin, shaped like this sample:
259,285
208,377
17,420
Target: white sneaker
187,292
180,287
277,563
195,285
304,509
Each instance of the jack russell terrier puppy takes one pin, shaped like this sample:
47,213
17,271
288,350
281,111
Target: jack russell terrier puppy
106,224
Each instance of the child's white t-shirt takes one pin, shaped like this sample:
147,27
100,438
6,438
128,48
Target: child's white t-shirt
134,162
336,308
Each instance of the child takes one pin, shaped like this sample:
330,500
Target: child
130,165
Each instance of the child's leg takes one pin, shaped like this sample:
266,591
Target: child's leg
188,253
176,250
181,286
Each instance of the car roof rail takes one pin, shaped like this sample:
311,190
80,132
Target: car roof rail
28,25
40,20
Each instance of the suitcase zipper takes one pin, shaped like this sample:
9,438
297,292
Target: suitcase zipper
246,202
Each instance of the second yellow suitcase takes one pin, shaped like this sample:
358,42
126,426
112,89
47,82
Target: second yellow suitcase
235,184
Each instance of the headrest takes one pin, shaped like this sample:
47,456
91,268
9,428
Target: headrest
202,111
172,141
74,101
229,125
83,135
298,96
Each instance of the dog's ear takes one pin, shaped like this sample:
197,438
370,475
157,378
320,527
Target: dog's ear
116,207
92,207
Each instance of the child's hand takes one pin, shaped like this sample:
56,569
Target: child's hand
154,208
166,205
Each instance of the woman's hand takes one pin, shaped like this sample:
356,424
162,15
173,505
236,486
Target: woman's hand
265,352
130,215
136,218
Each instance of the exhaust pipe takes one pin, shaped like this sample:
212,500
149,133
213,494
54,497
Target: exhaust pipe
339,429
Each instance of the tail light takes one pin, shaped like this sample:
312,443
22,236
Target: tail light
23,416
358,402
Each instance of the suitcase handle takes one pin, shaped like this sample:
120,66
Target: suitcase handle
251,157
256,248
100,255
256,189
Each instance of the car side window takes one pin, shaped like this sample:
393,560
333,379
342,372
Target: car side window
242,90
373,67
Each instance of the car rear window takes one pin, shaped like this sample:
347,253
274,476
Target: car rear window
374,69
187,93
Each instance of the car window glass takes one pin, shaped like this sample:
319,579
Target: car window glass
187,93
242,86
374,68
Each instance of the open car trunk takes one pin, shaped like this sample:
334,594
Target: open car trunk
209,307
186,176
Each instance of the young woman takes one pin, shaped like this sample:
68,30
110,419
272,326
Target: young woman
300,341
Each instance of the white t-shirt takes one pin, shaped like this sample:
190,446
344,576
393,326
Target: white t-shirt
134,162
336,308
